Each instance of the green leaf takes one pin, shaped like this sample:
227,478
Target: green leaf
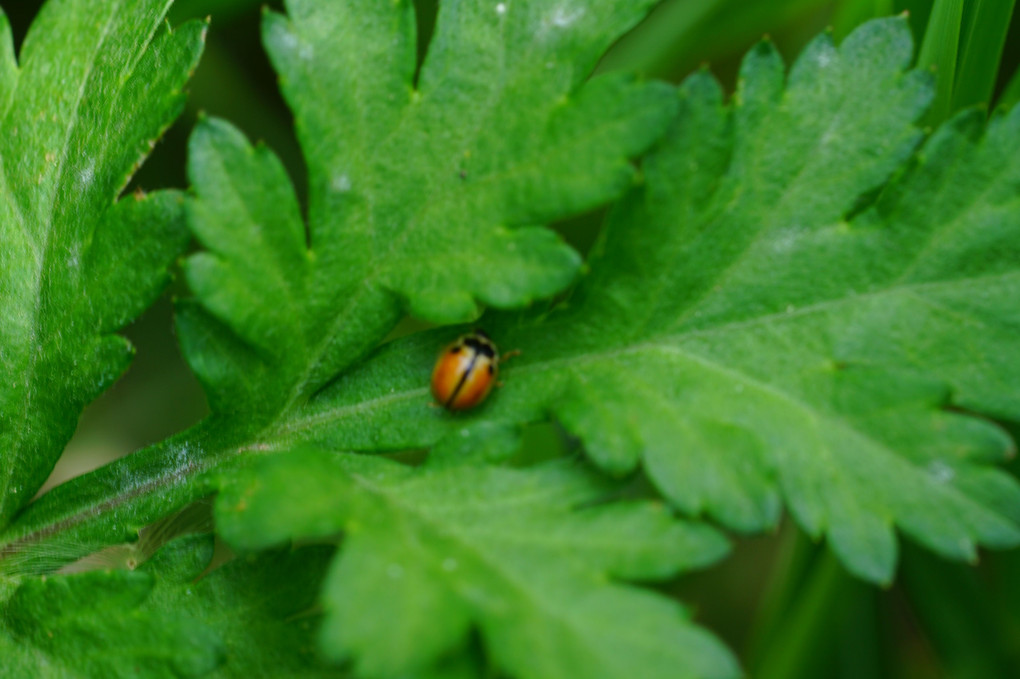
96,86
520,121
261,607
8,64
799,306
426,193
758,326
96,624
255,270
253,616
522,554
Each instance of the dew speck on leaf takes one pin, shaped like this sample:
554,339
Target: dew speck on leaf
341,183
86,175
941,472
562,17
289,40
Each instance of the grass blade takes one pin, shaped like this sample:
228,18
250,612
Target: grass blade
981,52
806,630
680,34
959,614
940,51
1011,94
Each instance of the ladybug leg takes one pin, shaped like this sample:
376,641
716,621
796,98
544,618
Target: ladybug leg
503,358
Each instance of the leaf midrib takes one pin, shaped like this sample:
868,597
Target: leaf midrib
812,413
299,392
283,430
270,440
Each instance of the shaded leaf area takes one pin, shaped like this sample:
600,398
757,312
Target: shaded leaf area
770,319
94,89
427,191
528,556
247,618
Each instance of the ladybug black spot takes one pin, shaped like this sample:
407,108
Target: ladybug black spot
482,345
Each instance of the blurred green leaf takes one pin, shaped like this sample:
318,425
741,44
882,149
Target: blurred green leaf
429,552
96,86
250,617
263,608
96,624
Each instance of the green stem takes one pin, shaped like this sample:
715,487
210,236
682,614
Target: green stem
957,611
794,627
1011,94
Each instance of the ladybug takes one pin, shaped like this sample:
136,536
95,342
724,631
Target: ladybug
465,371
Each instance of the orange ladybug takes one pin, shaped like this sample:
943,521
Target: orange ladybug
465,372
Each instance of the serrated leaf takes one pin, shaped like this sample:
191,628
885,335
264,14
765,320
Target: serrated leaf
426,193
259,362
758,327
250,617
96,87
770,318
95,625
261,607
428,553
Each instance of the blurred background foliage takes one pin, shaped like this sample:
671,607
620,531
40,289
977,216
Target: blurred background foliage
781,602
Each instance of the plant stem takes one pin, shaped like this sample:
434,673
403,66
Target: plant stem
791,635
